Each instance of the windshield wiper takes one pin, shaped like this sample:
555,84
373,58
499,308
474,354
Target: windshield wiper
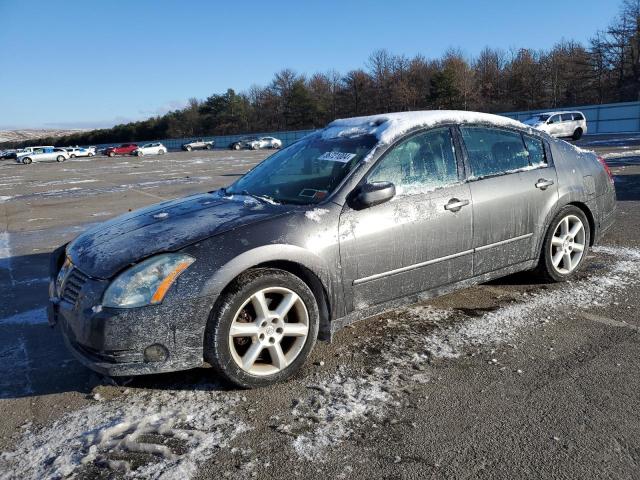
263,198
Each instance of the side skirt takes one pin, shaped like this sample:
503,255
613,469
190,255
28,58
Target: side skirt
362,314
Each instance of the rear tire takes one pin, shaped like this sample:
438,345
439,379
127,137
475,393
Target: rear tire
60,158
255,346
236,147
161,152
207,147
577,134
111,154
565,246
188,149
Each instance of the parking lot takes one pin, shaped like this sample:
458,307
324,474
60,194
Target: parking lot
510,379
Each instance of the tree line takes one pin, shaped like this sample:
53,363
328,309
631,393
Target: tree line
605,70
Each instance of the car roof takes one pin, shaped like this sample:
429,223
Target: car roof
389,126
557,112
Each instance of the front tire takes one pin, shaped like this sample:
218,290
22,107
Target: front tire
262,329
565,245
577,134
60,158
27,161
236,147
188,149
111,154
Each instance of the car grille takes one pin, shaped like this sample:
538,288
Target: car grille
73,284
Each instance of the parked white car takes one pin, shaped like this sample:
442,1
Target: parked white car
264,142
560,124
43,154
150,149
80,151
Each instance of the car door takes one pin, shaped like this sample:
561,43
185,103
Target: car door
419,240
555,127
513,187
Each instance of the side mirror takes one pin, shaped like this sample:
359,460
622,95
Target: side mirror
549,122
371,194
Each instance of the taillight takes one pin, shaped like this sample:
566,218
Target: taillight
606,168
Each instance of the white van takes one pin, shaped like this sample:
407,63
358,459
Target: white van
560,124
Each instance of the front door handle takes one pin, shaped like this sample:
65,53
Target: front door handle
454,204
543,183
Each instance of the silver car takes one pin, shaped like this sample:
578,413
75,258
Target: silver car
361,217
43,154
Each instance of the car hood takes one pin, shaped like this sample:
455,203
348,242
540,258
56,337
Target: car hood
109,247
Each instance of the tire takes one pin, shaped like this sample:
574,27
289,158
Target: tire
111,154
254,147
60,158
554,262
236,146
139,153
207,147
226,354
91,155
27,161
72,155
188,149
161,152
577,134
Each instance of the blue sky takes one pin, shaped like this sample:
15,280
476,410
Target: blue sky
94,63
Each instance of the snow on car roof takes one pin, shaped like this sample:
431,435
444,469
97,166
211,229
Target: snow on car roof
388,126
556,112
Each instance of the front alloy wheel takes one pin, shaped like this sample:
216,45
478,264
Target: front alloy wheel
263,329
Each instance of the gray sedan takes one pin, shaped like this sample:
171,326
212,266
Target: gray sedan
366,215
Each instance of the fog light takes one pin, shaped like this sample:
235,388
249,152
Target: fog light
155,353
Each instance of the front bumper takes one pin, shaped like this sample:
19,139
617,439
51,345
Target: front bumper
127,342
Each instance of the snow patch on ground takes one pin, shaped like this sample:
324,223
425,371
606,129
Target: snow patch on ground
104,434
501,325
5,198
37,316
316,214
627,153
15,363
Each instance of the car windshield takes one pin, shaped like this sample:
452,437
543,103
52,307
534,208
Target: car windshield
539,118
305,172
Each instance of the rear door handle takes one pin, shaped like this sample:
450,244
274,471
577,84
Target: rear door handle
543,183
454,204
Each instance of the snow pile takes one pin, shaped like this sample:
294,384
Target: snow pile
627,153
173,430
341,403
503,324
315,214
4,198
337,404
389,126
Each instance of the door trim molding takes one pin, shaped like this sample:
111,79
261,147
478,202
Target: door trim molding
410,267
508,240
388,273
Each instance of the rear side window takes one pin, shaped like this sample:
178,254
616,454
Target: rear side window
567,117
578,116
492,151
535,147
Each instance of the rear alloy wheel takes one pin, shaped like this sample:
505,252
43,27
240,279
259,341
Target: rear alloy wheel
112,154
577,134
264,329
60,158
236,147
565,245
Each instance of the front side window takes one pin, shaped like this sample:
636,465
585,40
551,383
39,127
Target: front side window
554,119
493,151
307,171
423,162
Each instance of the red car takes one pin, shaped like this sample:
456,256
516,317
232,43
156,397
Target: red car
124,149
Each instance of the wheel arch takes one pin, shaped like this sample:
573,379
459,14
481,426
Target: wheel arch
295,260
590,218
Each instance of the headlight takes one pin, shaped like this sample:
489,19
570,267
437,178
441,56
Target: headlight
146,283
